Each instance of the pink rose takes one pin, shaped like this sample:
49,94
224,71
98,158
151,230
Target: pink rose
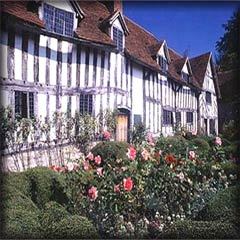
145,154
100,171
192,155
218,141
181,176
90,156
86,165
131,153
150,139
116,188
106,135
93,193
98,160
127,184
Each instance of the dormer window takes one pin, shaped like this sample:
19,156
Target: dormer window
163,63
185,77
118,38
58,20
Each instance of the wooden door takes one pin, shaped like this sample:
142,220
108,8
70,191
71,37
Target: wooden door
122,128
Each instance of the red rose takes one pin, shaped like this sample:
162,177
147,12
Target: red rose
127,184
170,159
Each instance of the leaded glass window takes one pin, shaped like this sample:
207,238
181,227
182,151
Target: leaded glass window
163,63
118,38
58,20
24,104
86,102
189,117
167,117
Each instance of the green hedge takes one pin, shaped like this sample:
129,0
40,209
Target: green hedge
110,150
75,227
45,185
20,215
224,206
200,230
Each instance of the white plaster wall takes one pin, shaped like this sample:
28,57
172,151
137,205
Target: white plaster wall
30,61
42,106
42,59
18,57
137,90
4,98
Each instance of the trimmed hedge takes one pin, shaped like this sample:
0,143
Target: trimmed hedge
75,227
52,213
200,230
110,150
224,206
20,215
45,185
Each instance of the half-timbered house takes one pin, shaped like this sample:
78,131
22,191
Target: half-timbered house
87,56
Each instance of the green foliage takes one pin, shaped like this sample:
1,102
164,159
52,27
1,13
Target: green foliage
110,150
201,144
52,213
138,134
223,206
20,215
228,45
45,185
200,230
75,227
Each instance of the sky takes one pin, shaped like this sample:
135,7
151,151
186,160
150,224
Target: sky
193,27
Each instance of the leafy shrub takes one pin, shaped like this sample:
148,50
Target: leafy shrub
75,227
200,230
110,150
201,144
20,215
223,206
56,222
138,134
52,213
45,185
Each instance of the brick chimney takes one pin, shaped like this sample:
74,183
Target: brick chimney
113,5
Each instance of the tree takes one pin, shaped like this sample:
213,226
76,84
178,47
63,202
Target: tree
228,46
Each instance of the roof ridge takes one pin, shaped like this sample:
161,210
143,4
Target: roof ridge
180,55
145,30
201,55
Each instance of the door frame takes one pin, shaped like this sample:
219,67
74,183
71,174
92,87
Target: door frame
126,112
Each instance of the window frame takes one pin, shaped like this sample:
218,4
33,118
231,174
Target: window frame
86,103
27,110
167,117
162,63
178,118
115,37
185,76
55,25
189,117
208,97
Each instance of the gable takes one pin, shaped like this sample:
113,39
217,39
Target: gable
64,5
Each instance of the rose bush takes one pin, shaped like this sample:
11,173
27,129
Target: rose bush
158,182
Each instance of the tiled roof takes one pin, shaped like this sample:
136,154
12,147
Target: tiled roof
141,45
199,66
19,10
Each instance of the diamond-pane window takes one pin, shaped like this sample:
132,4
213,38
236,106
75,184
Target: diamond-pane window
118,38
86,102
58,20
24,104
189,117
